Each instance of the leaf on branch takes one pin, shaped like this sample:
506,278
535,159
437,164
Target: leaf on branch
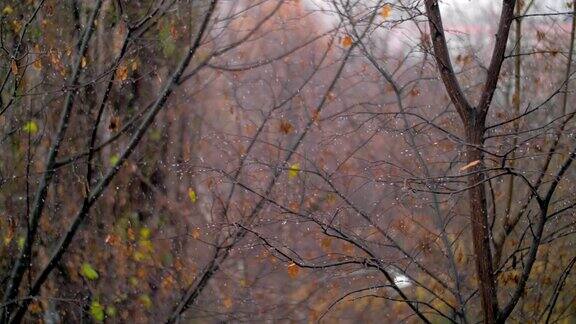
97,311
88,272
386,11
122,73
8,10
470,165
196,233
145,300
286,127
114,159
293,170
31,127
37,64
228,302
293,270
347,41
14,67
192,195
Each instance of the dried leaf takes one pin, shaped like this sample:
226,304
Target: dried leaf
37,64
122,73
347,41
114,123
326,243
386,11
196,233
469,165
14,67
285,127
293,270
227,302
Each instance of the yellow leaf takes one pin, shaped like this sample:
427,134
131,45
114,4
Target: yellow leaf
243,283
83,62
7,10
144,233
31,127
192,195
37,64
386,11
293,170
469,165
293,270
347,41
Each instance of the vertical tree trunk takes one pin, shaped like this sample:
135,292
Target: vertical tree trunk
479,221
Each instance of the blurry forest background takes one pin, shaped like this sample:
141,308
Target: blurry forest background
287,161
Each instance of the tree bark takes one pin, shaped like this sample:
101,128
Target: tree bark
479,222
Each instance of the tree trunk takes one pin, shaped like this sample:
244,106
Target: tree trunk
479,221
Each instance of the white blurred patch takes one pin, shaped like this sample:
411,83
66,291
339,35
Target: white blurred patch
402,281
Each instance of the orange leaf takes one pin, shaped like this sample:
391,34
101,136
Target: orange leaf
347,41
196,233
386,11
227,302
293,270
122,73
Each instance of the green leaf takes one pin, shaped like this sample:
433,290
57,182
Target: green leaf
31,127
145,300
88,272
97,311
114,159
166,41
20,242
111,311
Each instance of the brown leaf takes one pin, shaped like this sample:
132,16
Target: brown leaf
114,123
286,127
293,270
122,73
14,67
